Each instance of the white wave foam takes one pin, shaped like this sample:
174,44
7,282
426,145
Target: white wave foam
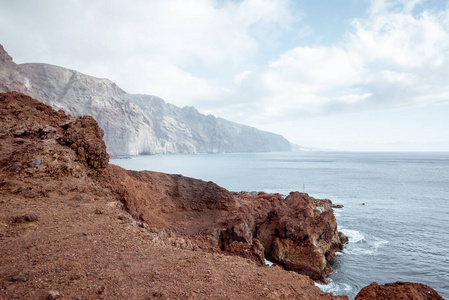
379,242
354,236
370,246
335,288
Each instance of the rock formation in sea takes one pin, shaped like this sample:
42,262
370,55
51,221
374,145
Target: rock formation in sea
133,124
74,226
398,290
297,231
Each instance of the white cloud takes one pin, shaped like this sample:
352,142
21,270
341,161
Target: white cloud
173,48
393,58
225,58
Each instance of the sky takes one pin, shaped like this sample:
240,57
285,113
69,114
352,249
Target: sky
358,75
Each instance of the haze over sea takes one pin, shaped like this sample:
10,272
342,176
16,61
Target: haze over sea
396,205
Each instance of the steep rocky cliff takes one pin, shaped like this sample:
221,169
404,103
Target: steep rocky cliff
133,124
196,132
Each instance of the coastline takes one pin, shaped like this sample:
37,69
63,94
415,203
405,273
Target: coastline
96,231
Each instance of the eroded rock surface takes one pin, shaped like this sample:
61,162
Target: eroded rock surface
398,290
33,137
297,231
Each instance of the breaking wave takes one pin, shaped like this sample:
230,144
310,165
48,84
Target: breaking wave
354,236
335,288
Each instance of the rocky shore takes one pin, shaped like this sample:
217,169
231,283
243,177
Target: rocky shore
74,226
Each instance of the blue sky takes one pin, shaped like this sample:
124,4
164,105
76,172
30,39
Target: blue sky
348,75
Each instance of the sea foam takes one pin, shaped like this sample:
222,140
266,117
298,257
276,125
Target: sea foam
354,236
335,288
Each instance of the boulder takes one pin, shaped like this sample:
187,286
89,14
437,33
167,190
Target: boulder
298,232
398,290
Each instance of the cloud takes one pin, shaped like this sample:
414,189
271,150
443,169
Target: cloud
176,49
248,61
395,57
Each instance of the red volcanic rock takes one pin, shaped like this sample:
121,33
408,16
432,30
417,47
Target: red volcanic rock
253,251
398,290
85,137
182,204
298,232
34,139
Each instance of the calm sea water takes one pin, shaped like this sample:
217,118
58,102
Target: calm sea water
400,234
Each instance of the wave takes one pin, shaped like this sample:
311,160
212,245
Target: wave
354,236
368,246
334,288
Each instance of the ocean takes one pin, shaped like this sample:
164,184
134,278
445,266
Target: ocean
396,205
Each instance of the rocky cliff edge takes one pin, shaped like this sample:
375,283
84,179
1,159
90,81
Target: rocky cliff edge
75,227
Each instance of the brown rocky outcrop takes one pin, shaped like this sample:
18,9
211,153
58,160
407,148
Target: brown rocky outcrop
297,232
398,290
34,139
182,204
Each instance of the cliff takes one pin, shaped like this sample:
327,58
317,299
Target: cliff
297,232
73,226
133,124
199,133
65,232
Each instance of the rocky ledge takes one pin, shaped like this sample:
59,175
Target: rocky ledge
74,226
297,232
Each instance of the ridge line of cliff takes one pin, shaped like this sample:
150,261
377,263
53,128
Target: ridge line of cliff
128,120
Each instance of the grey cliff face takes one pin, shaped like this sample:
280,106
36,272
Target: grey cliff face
187,130
133,124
